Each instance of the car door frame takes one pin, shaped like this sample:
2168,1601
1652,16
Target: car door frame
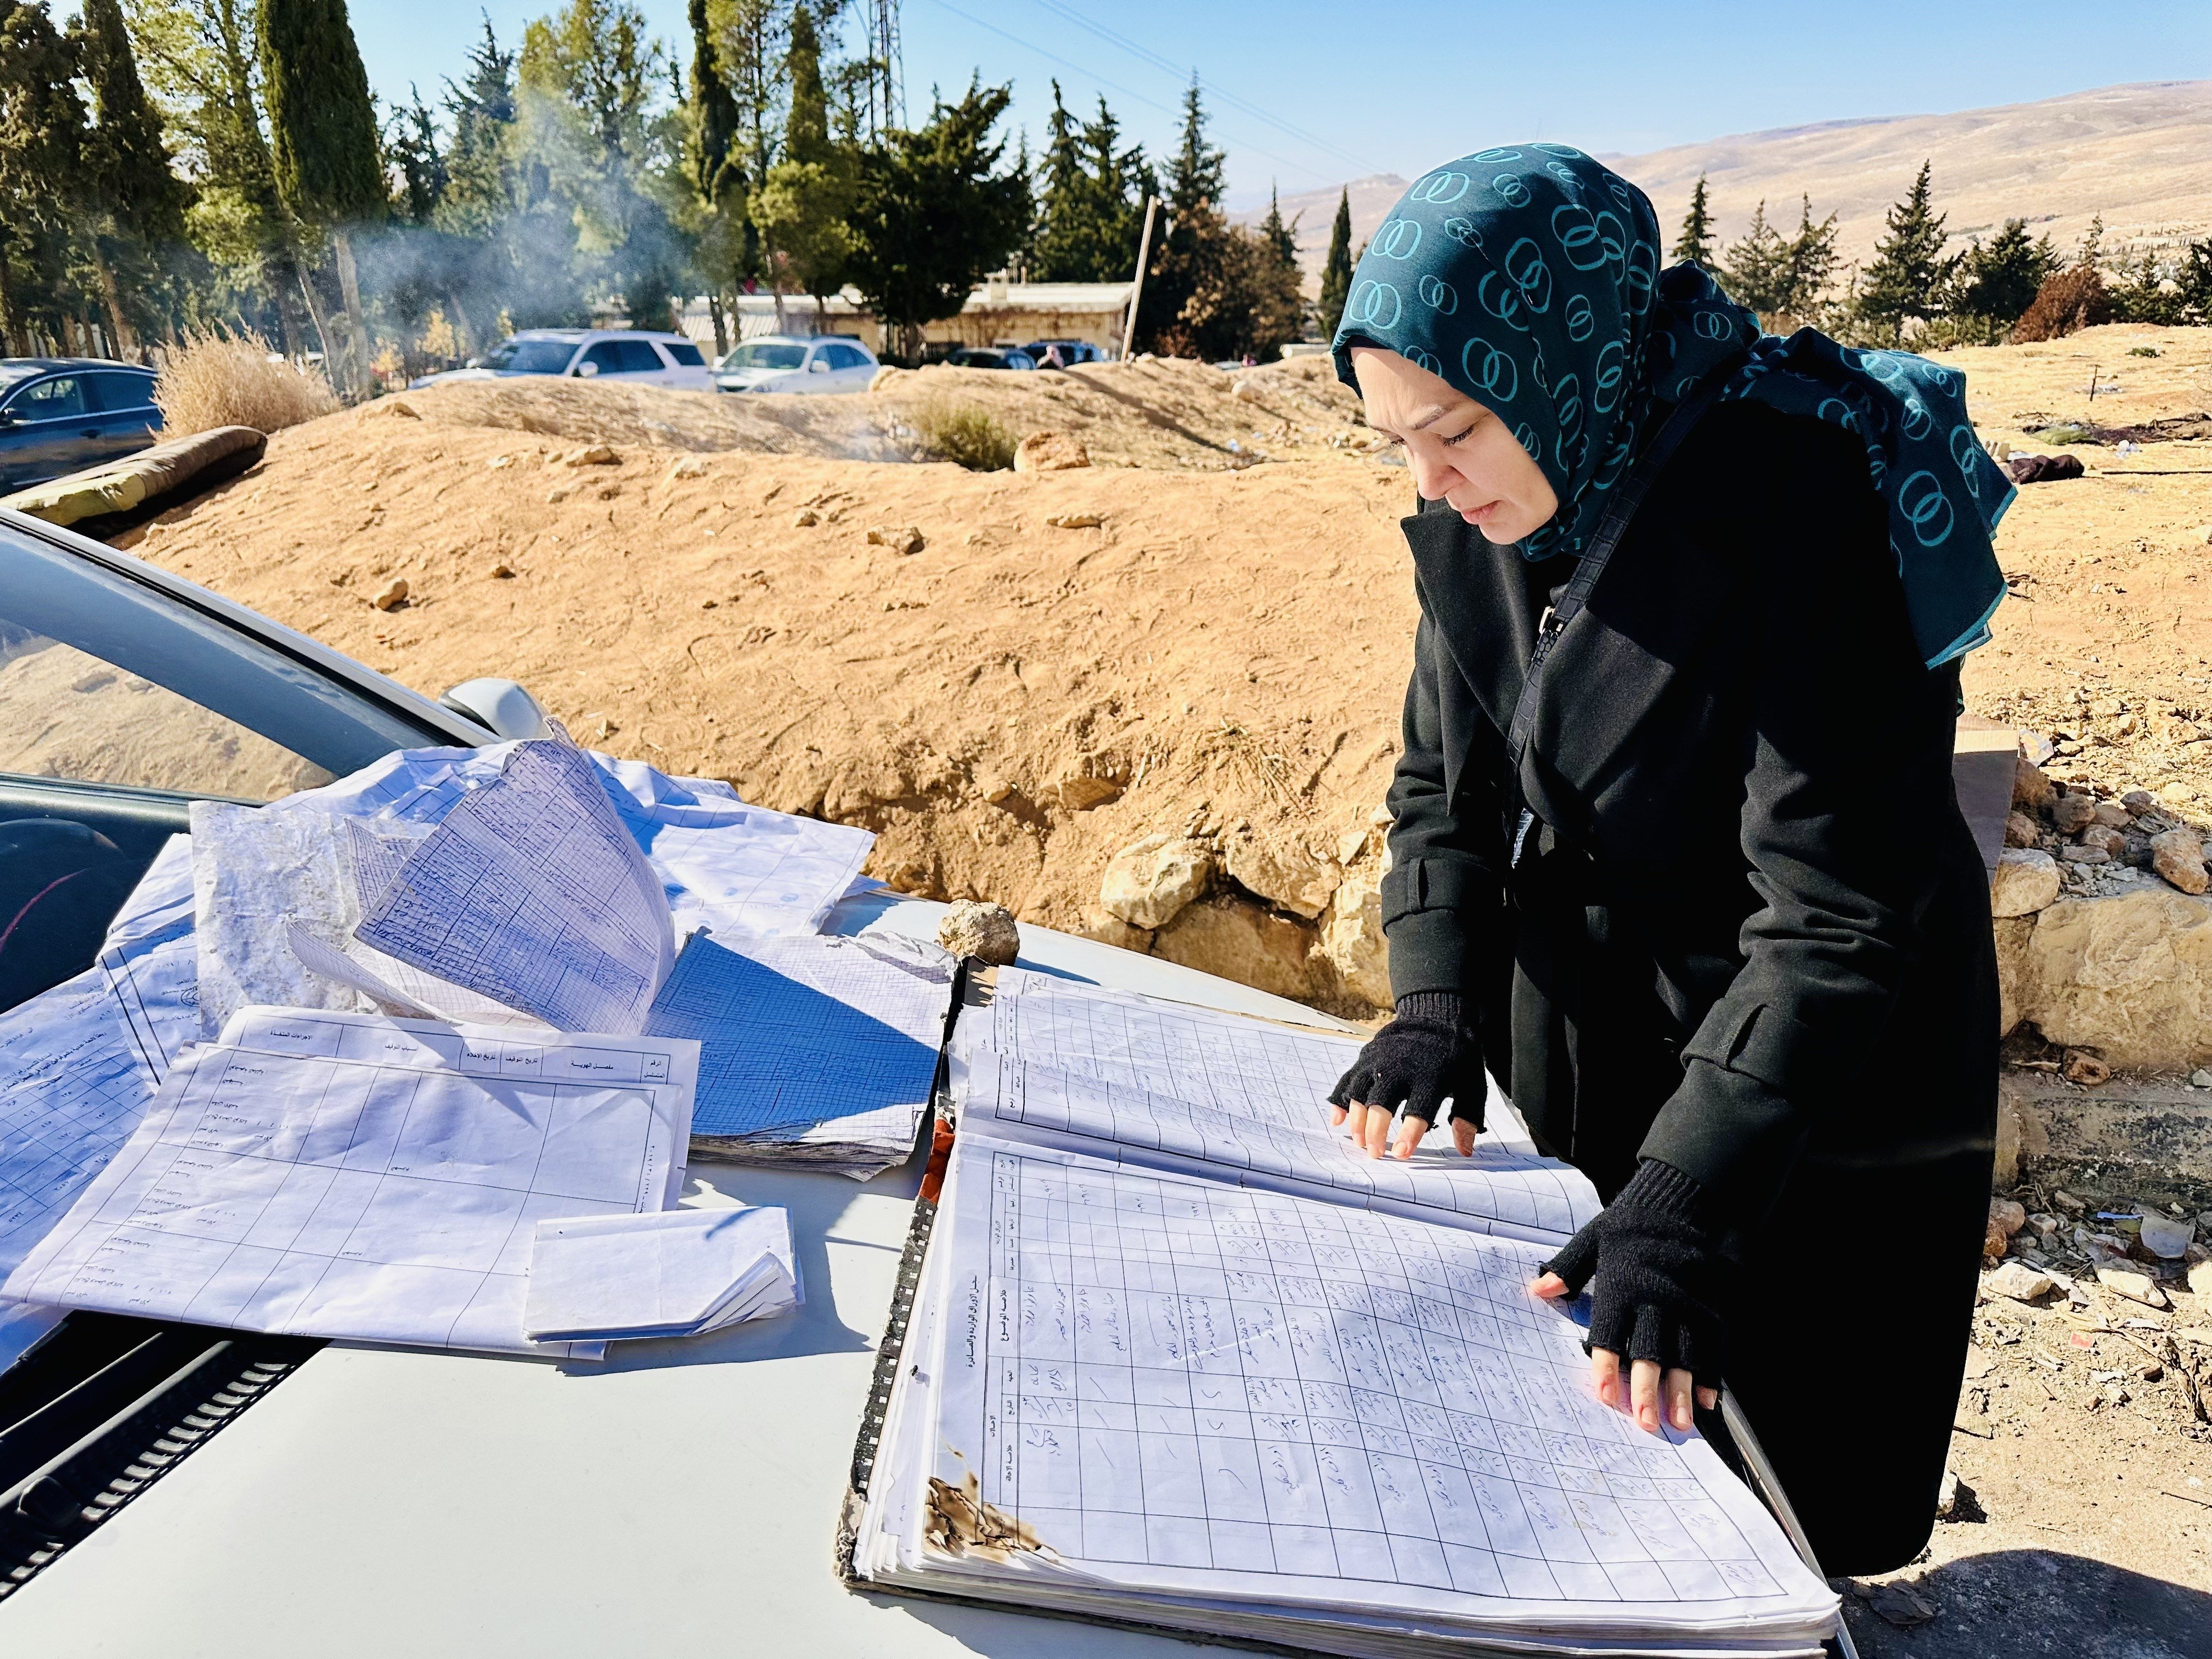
121,433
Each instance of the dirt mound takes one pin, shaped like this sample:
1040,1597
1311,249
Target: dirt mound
1075,660
1148,412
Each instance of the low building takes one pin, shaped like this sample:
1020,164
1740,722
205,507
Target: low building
998,312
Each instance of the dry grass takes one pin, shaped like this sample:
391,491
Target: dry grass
952,430
227,379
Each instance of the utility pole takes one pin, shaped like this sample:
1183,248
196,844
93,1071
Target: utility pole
1137,289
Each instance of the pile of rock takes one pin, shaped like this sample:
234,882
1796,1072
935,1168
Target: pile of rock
2132,1249
2103,940
1271,910
2099,844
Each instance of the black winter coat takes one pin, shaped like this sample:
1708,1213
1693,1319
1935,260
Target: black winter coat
1744,928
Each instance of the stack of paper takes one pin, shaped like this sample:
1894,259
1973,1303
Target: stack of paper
343,1175
681,1273
1242,1413
815,1051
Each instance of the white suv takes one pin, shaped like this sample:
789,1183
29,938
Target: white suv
797,362
621,353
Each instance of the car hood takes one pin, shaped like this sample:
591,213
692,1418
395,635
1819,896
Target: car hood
444,375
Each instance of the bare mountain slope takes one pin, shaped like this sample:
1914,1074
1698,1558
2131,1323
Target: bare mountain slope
2141,155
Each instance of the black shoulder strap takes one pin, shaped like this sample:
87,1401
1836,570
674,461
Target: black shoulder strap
1625,499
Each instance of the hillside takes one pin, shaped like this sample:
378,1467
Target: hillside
2135,154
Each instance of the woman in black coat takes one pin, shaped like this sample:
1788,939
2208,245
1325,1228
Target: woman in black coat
1676,856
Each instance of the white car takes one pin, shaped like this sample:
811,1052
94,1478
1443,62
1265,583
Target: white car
797,362
614,354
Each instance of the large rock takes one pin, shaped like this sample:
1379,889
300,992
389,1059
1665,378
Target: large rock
985,931
2027,880
1243,941
2022,1135
1148,882
2130,974
1050,452
2179,855
1352,941
1287,877
2030,788
2072,814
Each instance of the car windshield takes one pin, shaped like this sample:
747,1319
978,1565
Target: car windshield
16,374
766,354
532,356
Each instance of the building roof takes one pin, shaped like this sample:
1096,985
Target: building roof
1064,297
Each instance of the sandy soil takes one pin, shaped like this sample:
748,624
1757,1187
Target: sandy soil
1227,643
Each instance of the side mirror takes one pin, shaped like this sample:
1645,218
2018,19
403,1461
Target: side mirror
500,707
587,370
474,362
819,366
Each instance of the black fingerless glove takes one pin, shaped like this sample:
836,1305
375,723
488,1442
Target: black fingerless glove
1661,1280
1426,1055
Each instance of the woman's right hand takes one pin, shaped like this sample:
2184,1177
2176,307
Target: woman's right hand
1426,1055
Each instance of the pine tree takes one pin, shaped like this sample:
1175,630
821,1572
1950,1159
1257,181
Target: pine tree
937,208
1092,209
477,198
2093,242
1810,263
140,201
1908,275
1277,283
1185,309
1695,245
1755,271
42,137
412,146
1336,270
322,139
1999,280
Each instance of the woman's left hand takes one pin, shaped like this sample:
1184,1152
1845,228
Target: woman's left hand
1660,1281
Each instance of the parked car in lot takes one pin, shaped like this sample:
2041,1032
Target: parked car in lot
797,362
615,354
62,415
1063,354
353,1500
991,357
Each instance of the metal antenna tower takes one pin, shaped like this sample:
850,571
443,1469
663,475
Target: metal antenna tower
885,102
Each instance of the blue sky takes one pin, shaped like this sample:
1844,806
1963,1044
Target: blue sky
1341,91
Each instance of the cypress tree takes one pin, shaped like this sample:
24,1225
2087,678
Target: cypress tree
1695,245
1182,307
140,201
323,137
1092,205
718,171
1336,270
1809,261
1908,273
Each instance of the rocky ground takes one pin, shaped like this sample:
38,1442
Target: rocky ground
2079,1522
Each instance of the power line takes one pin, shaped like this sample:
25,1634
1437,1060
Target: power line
1147,55
1089,73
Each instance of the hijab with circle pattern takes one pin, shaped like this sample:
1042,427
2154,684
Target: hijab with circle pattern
1527,276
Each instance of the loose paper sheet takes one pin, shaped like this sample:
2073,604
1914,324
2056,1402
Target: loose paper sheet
666,1274
342,1174
532,892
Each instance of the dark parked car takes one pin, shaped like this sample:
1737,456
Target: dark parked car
62,414
991,357
1068,352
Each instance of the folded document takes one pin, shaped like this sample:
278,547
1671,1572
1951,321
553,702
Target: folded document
680,1272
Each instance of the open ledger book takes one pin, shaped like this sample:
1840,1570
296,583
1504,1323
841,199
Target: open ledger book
1172,1362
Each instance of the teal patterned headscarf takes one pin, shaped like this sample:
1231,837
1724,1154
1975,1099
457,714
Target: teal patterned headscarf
1528,277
